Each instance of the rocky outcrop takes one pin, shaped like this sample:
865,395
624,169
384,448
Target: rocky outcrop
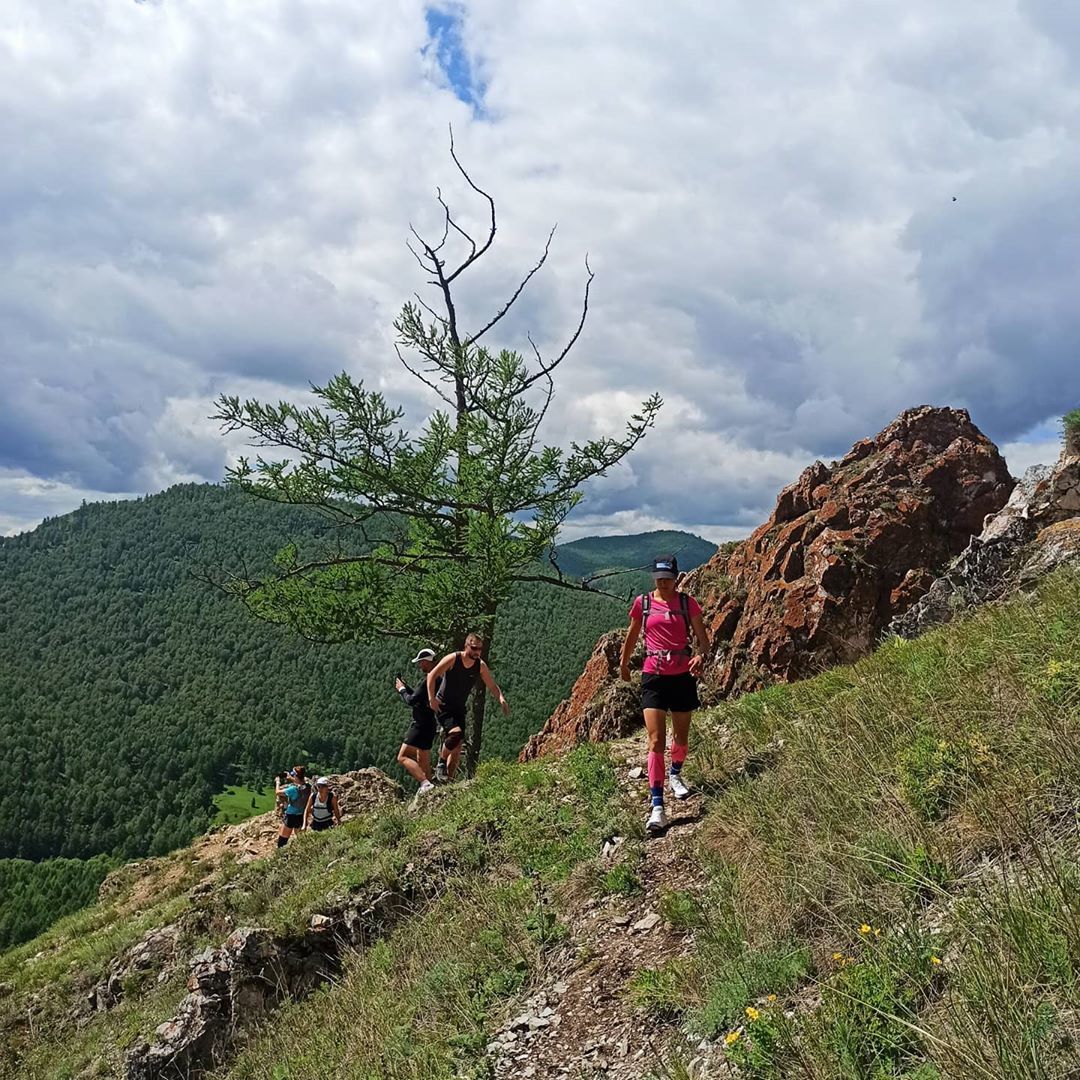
255,971
850,546
152,956
600,706
1036,531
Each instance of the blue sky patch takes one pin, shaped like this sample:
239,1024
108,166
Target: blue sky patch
446,43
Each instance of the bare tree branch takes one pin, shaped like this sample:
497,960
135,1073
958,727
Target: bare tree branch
452,224
547,369
509,303
429,309
562,583
427,382
446,224
423,265
476,252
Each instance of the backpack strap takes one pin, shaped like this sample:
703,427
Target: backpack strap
684,608
646,605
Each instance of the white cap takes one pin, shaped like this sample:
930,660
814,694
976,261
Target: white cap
322,781
423,654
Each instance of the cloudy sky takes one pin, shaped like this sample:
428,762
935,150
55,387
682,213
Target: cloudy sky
803,219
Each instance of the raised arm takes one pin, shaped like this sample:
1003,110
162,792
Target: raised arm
493,687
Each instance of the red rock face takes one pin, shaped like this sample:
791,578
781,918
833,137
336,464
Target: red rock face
600,706
848,547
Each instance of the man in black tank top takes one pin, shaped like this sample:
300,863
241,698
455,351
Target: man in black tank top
449,684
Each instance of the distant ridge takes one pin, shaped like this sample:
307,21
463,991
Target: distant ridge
593,554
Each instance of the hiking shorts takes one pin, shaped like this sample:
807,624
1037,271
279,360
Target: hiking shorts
318,826
672,693
421,734
451,719
294,821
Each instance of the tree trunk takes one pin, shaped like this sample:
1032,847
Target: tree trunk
476,728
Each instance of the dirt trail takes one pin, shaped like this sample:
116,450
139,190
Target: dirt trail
580,1023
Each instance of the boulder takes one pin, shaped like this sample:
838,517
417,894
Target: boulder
849,546
155,954
1036,531
254,971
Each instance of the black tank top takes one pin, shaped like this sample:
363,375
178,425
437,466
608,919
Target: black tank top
457,682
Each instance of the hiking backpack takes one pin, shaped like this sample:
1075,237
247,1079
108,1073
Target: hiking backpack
684,611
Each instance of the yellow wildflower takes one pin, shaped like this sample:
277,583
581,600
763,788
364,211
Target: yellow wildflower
865,928
877,933
731,1038
838,956
771,999
753,1013
935,960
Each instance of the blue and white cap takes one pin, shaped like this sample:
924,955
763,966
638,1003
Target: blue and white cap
665,566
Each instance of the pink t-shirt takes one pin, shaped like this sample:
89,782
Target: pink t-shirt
666,630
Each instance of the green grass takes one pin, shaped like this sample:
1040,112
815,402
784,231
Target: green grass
885,887
485,863
236,804
903,869
415,1006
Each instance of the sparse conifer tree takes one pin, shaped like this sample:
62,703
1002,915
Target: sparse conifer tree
437,524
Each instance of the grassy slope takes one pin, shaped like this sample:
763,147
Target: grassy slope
892,888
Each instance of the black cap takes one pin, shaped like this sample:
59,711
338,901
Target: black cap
665,566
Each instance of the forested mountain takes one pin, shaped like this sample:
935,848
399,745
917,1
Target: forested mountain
34,895
595,554
131,692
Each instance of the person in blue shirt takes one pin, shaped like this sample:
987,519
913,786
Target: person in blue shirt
296,792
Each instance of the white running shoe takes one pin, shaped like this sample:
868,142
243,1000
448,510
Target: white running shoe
425,787
657,822
441,775
678,786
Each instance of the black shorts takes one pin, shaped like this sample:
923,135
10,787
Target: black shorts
672,693
318,826
421,734
451,719
294,821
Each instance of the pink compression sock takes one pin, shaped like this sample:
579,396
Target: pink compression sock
656,769
678,753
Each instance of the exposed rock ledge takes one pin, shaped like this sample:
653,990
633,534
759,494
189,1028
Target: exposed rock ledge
1037,530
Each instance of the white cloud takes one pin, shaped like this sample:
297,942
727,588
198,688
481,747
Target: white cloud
1022,455
199,196
25,500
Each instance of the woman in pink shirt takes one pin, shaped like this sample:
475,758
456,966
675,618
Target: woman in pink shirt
669,677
